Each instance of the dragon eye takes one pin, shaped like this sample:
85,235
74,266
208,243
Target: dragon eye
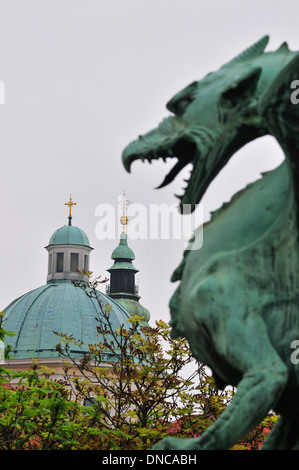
179,103
182,105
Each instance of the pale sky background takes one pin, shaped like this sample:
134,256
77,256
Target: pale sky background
82,79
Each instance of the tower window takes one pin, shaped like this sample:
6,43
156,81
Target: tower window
74,262
85,263
59,264
50,264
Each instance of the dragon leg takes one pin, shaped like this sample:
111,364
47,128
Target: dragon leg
239,340
284,436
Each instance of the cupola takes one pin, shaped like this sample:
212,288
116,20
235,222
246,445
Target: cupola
68,251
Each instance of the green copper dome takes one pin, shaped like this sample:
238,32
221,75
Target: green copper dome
69,235
57,306
123,256
122,251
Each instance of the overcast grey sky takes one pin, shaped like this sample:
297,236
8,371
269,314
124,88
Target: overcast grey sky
84,78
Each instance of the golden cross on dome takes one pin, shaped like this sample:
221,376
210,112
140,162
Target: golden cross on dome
70,204
123,202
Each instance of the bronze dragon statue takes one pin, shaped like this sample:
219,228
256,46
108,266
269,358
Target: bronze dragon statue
237,300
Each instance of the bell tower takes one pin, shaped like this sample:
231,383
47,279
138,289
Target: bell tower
123,286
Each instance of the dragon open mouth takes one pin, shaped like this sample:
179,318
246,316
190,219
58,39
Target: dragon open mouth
185,149
178,167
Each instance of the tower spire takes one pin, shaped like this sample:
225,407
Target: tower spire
123,202
70,203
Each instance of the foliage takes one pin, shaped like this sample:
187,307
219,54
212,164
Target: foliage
3,333
39,414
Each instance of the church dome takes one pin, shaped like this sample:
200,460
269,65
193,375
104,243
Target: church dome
62,307
69,235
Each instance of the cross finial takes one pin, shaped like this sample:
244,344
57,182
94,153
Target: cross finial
70,204
124,203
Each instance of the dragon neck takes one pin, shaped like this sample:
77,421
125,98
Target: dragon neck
290,147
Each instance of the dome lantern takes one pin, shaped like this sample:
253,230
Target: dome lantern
68,251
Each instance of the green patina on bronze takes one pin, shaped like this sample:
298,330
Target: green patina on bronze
237,300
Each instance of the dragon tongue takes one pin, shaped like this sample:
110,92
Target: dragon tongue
172,174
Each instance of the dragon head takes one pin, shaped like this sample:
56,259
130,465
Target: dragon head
212,118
